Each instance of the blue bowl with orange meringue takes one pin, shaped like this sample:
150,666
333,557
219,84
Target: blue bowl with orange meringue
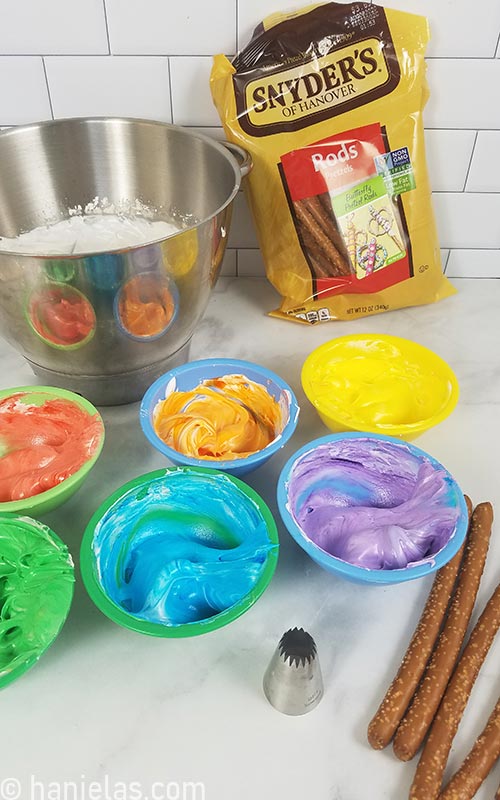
219,413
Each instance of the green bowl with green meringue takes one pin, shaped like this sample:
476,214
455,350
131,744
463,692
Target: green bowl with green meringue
36,590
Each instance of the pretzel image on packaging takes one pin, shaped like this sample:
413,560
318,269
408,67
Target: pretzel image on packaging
328,100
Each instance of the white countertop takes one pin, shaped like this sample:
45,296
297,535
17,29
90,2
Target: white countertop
108,705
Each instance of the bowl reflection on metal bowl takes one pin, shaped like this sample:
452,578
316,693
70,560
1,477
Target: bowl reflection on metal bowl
61,316
146,306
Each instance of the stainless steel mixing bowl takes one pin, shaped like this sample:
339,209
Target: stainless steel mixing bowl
87,323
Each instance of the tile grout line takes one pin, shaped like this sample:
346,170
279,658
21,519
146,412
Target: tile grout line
460,58
107,25
445,265
497,51
170,91
48,87
53,55
440,128
230,56
461,191
219,127
470,164
474,277
207,55
115,55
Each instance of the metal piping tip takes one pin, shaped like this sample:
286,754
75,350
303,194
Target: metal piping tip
293,683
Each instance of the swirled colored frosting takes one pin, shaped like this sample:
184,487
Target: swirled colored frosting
43,440
36,588
181,548
145,306
371,381
373,503
222,418
61,315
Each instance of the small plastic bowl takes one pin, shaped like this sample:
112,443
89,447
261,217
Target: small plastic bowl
379,384
36,591
187,377
52,498
361,492
184,520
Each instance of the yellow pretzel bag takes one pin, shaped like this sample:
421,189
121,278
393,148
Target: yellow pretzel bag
328,100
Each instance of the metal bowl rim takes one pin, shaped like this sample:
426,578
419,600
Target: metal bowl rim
15,130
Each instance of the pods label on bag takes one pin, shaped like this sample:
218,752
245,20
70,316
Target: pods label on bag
359,213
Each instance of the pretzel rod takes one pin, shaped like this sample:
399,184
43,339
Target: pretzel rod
326,220
320,263
398,697
399,694
427,782
419,716
319,213
325,202
474,770
318,268
322,241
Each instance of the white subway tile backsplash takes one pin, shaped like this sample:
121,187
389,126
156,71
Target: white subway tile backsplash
191,98
49,27
23,91
474,264
251,12
448,158
251,264
461,93
159,68
163,27
109,86
484,175
467,220
455,30
242,233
